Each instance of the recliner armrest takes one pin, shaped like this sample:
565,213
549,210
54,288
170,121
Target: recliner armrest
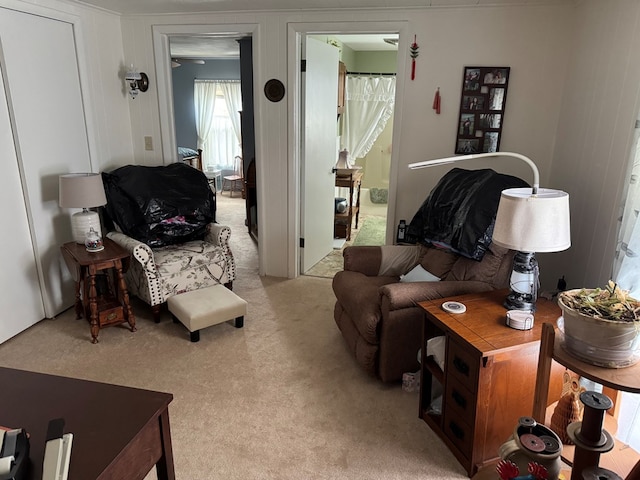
405,295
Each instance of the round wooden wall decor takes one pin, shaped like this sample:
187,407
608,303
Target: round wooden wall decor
274,90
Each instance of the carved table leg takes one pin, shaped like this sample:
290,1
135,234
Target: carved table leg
79,306
122,291
93,305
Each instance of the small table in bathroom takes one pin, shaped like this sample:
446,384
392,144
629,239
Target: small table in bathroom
343,221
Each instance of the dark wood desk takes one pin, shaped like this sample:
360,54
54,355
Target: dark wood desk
119,433
101,308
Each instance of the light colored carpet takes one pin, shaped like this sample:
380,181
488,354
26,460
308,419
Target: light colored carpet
281,398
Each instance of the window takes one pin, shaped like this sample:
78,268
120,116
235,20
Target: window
217,105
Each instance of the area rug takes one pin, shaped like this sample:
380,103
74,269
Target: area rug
372,231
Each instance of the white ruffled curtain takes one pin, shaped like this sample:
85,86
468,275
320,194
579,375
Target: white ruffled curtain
218,122
369,104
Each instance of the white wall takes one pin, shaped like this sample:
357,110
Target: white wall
578,131
532,40
599,109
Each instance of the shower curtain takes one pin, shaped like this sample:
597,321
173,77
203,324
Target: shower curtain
368,106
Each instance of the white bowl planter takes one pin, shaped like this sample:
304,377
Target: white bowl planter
597,340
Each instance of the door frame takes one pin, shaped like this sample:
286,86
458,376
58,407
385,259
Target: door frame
294,34
162,55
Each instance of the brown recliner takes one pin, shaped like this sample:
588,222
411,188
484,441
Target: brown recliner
379,316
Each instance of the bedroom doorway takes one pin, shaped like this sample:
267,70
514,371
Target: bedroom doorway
212,85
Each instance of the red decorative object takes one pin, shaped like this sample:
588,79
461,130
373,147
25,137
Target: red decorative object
413,51
538,471
507,470
436,101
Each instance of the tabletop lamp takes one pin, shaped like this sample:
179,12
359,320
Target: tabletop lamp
82,190
528,220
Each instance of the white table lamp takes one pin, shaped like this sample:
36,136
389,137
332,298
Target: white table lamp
528,220
82,190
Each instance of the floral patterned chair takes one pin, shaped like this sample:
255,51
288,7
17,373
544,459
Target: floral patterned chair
171,234
162,272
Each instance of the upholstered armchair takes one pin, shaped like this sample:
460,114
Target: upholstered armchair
165,217
377,311
159,273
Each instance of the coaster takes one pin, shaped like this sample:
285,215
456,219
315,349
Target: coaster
454,307
520,319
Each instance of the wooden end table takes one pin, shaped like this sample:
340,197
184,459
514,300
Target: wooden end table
489,377
106,305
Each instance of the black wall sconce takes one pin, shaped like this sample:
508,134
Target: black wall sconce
136,81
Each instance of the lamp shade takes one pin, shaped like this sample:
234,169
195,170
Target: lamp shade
81,190
530,222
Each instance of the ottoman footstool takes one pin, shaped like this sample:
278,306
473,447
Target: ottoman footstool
206,307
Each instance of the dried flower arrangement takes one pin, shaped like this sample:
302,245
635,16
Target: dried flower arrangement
608,303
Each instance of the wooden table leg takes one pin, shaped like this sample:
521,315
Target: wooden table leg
124,296
93,305
164,467
79,306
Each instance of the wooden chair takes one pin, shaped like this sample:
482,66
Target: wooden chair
238,176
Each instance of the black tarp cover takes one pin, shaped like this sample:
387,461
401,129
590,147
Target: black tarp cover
159,205
460,211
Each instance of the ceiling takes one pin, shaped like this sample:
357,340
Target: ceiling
199,6
190,47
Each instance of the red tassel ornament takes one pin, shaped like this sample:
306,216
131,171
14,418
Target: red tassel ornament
413,51
436,101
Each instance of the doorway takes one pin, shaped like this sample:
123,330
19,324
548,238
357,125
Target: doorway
366,62
220,65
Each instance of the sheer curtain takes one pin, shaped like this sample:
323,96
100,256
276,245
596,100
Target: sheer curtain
218,121
368,106
626,272
626,266
204,99
233,97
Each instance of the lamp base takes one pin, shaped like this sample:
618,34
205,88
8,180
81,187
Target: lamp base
523,283
520,301
82,222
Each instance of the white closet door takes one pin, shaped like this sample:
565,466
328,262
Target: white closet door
21,297
43,86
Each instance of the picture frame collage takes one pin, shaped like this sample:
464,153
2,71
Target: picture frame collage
482,106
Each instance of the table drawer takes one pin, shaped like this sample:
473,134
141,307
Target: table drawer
462,364
111,316
460,400
459,432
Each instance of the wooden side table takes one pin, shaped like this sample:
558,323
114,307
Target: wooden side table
103,306
343,221
489,376
613,380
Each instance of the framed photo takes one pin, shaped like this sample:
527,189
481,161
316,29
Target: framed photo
467,125
482,106
468,146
